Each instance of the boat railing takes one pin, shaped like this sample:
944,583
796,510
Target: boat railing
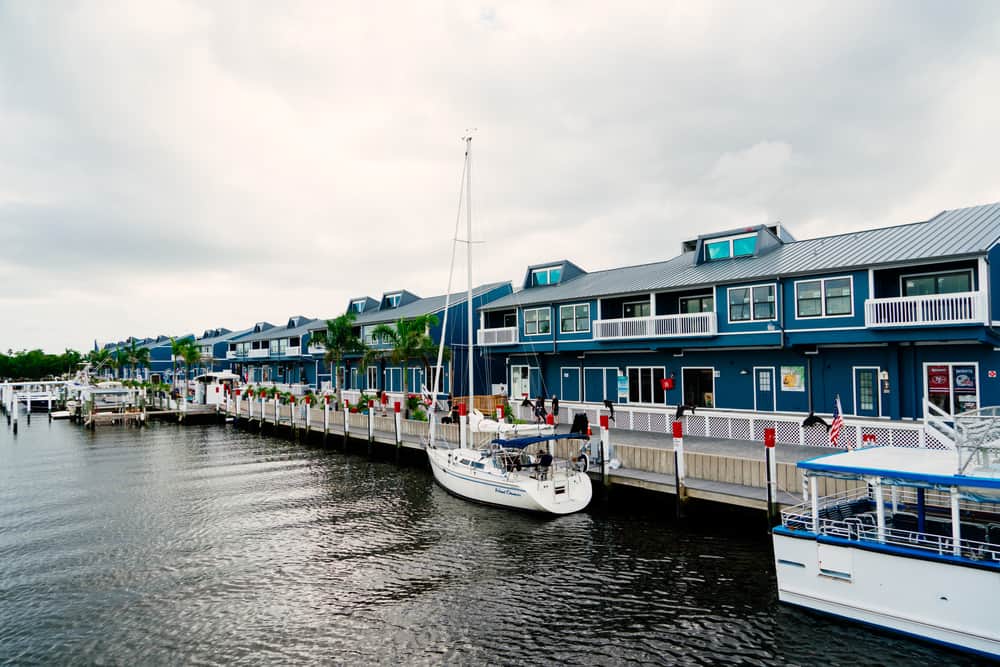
851,515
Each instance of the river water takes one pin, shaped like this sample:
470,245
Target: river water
205,545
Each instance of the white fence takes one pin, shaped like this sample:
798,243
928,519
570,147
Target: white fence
904,311
659,326
500,336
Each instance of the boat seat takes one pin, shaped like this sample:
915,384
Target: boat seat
860,506
937,526
868,519
904,521
973,531
993,533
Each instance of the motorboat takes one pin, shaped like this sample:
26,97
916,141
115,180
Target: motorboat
913,545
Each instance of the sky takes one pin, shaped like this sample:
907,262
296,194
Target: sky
170,167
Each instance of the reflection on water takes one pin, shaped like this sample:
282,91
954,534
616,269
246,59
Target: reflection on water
212,546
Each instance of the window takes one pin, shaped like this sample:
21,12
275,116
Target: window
278,346
372,377
367,336
751,303
294,341
358,306
636,309
940,283
828,297
699,387
510,319
537,321
739,246
644,385
547,276
392,300
574,318
258,345
697,304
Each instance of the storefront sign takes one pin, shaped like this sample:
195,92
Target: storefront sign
623,386
793,378
938,380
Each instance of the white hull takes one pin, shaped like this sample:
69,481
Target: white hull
943,602
564,494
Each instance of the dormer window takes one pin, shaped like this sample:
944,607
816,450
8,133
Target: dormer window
550,275
358,306
733,246
392,300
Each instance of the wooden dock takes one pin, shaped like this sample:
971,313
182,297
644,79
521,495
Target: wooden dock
731,472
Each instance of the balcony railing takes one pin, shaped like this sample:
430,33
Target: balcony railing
501,336
658,326
258,354
230,354
908,311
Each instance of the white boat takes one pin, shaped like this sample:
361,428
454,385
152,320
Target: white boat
913,548
212,388
502,473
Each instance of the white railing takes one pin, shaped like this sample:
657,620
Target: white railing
501,336
230,354
906,311
258,354
658,326
315,349
293,351
940,422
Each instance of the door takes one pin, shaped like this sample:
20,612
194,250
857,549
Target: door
699,387
593,380
354,379
519,386
763,382
866,398
394,379
535,384
569,389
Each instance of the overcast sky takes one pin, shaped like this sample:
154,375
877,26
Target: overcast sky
168,167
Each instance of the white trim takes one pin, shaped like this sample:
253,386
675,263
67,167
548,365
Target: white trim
876,389
753,309
574,306
774,391
903,276
711,295
951,393
984,286
652,386
822,298
579,382
700,368
525,312
647,302
871,283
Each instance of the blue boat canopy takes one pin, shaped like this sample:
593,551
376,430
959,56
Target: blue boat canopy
521,443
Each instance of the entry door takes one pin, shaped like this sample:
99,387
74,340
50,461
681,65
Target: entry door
866,396
763,381
536,383
569,389
519,385
394,379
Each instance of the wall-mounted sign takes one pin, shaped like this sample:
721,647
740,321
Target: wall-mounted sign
623,386
991,374
793,378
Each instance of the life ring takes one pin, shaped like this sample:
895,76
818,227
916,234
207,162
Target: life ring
582,463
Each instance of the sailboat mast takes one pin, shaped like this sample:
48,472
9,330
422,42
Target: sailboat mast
468,255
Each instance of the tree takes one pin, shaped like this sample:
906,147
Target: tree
410,339
176,352
339,339
191,354
99,359
140,358
121,360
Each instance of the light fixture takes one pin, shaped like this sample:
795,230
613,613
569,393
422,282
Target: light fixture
744,371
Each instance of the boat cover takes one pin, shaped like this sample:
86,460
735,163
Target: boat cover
521,443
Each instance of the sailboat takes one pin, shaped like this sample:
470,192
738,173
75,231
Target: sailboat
504,472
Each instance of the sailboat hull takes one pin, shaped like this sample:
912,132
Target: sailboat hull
564,494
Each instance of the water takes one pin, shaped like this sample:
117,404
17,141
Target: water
203,545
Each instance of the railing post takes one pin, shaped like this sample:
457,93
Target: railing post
605,450
879,508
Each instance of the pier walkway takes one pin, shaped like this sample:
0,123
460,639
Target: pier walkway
716,469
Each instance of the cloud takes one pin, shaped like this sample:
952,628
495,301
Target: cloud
186,165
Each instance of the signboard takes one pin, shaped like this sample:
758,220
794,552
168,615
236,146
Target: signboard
623,386
965,379
991,374
938,380
793,378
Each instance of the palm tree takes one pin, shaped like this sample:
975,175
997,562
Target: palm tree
121,360
176,351
339,339
99,358
140,357
410,339
191,355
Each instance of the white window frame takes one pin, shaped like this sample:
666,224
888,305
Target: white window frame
730,240
822,298
950,364
392,300
510,385
715,395
972,279
753,309
372,376
574,306
711,295
652,386
532,310
643,302
877,389
547,270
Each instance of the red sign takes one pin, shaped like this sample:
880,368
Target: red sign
991,374
678,429
666,384
938,380
769,437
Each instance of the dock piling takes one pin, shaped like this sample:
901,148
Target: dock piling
679,490
771,468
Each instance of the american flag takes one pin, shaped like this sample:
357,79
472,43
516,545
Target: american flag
838,422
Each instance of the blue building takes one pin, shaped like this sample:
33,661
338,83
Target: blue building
753,320
382,373
268,353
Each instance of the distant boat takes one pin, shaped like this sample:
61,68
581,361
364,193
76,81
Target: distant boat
504,473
